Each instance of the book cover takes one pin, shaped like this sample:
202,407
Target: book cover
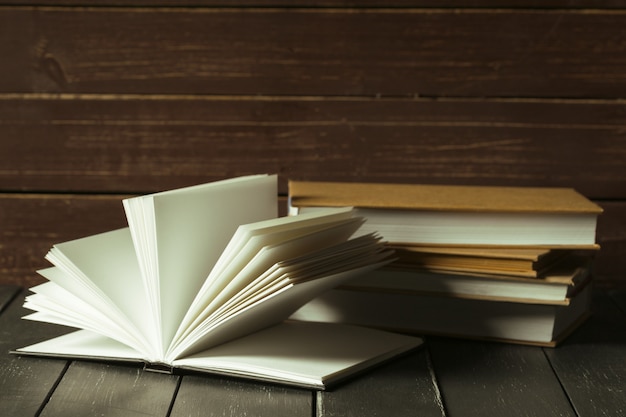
522,262
440,197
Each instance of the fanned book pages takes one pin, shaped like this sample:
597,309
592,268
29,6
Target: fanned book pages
204,278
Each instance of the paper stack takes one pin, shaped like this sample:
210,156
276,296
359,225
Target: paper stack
499,263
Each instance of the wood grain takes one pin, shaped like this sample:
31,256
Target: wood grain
609,267
532,4
591,364
460,379
209,396
111,390
138,144
6,295
25,383
376,393
310,51
33,223
478,379
100,102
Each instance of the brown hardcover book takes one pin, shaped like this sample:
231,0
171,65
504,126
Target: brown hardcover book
519,262
459,215
556,286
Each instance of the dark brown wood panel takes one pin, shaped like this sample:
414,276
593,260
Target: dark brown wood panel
541,4
610,264
363,52
31,224
139,144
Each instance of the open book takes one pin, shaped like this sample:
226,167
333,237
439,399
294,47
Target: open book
203,279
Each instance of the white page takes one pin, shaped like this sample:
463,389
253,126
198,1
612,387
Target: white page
200,326
303,353
275,231
269,311
140,217
85,344
103,269
293,352
282,280
193,226
56,305
244,246
479,228
345,256
340,257
274,275
331,260
227,286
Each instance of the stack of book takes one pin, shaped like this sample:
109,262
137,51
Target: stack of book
499,263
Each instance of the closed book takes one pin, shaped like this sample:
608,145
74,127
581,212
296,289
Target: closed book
495,320
557,286
459,215
514,261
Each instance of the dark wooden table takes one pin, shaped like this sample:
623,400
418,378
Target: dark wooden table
585,376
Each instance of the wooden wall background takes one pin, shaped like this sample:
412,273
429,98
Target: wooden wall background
129,97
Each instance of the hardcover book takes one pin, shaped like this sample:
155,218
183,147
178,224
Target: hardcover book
540,323
204,277
557,286
511,261
418,214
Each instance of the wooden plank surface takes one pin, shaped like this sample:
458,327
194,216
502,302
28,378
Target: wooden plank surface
25,383
591,364
479,378
310,51
132,144
6,295
97,389
401,388
583,377
211,396
619,297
